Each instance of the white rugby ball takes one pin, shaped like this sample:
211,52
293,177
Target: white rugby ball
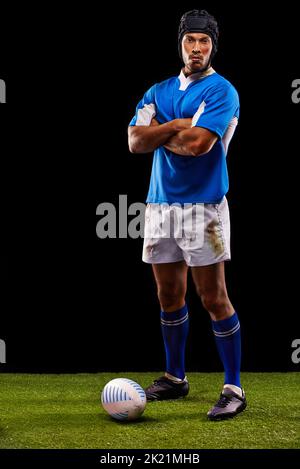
123,399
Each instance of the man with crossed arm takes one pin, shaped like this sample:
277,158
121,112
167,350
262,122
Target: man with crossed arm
188,121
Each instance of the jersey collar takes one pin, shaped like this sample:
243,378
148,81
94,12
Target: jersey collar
185,81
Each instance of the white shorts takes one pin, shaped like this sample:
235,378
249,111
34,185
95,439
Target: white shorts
196,233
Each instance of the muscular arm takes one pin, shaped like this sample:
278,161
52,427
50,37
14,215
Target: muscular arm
144,139
195,141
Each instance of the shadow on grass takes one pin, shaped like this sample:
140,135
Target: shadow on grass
170,418
175,417
141,420
156,416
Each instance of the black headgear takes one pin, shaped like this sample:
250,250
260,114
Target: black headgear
198,21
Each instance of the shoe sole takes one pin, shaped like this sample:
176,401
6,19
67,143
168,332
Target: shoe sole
227,416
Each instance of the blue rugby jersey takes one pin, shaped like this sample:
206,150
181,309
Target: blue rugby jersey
213,103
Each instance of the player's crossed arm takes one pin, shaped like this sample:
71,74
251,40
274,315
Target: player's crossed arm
177,136
195,141
144,138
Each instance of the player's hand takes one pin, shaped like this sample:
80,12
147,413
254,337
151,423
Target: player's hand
182,124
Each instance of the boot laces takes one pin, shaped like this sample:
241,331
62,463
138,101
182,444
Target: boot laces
224,401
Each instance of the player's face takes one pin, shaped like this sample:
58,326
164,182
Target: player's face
196,50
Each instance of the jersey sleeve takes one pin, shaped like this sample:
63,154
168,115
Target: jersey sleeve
217,110
145,110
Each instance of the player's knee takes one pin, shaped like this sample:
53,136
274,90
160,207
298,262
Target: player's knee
215,303
169,298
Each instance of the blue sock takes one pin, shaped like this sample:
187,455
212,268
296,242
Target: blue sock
228,339
175,326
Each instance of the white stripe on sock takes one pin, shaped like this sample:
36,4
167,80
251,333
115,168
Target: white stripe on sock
227,333
175,323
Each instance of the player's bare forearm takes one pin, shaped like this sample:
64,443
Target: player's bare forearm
192,142
145,139
181,144
178,144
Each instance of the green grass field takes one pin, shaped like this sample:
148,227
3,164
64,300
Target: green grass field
64,411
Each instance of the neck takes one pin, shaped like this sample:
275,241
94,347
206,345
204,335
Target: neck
202,73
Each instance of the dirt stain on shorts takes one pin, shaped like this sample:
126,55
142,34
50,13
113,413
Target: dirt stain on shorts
214,237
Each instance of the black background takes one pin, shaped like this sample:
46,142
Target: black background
72,302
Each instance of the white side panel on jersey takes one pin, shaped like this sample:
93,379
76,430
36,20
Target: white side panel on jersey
229,133
146,114
198,113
